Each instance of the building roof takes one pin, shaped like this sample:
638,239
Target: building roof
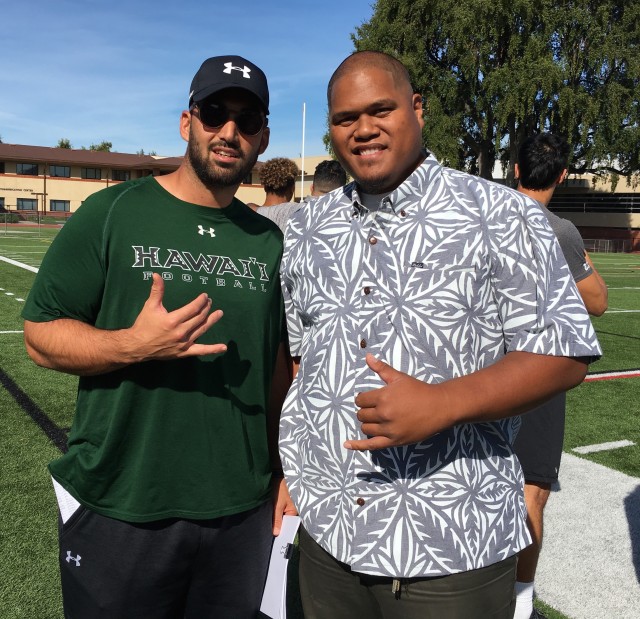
83,157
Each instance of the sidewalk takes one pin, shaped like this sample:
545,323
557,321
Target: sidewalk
590,562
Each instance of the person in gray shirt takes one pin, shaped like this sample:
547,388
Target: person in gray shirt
541,167
329,175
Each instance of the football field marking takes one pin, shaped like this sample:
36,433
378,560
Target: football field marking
22,265
612,375
589,449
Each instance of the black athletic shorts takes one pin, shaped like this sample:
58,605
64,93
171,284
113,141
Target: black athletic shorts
193,569
538,444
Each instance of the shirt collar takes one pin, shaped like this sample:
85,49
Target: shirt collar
413,185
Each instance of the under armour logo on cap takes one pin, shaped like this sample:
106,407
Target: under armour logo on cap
222,72
245,70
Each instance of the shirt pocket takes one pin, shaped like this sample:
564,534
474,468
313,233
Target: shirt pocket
441,292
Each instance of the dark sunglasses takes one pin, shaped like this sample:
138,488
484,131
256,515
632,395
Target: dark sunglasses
214,115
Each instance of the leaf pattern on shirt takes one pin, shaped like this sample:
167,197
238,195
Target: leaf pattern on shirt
461,272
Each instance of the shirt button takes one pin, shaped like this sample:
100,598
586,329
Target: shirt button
403,213
373,240
367,290
363,343
360,501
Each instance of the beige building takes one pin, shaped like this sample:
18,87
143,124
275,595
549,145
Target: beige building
55,181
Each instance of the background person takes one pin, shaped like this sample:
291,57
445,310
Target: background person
433,307
165,490
541,167
278,178
328,175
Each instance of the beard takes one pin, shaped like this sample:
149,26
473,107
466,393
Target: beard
214,177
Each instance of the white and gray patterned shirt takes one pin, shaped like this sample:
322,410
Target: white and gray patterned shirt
452,273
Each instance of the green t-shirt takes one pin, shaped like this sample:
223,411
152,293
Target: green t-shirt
183,438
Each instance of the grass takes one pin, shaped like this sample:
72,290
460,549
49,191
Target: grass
598,412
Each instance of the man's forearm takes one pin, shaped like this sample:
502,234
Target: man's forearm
407,410
75,347
515,384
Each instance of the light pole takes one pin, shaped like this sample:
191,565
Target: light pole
44,204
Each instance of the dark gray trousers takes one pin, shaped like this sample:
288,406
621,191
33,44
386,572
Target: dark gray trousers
330,590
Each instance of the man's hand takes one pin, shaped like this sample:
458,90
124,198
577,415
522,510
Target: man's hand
73,346
282,504
404,411
407,410
159,334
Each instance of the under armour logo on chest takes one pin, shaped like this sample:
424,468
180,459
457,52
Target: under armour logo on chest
72,558
201,231
228,67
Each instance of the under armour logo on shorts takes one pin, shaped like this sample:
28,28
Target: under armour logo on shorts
72,558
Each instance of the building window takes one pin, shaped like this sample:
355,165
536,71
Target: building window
92,173
30,169
1,204
1,167
59,205
27,204
120,175
60,170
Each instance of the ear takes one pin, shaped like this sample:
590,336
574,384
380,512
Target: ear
562,177
264,140
185,125
416,102
516,171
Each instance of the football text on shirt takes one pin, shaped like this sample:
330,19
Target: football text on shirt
207,269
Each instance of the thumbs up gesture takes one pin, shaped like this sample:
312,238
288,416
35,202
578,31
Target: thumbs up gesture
406,410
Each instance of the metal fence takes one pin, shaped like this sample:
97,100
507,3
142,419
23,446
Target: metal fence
596,203
607,245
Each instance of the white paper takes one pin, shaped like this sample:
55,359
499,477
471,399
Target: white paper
274,598
66,503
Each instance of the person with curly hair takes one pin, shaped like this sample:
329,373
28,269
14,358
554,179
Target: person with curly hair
278,177
329,175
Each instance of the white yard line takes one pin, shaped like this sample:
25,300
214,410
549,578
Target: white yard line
22,265
589,449
612,375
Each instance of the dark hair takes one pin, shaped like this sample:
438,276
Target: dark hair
541,159
278,175
368,59
329,175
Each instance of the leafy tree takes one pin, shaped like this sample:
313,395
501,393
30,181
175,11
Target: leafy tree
64,143
494,71
103,146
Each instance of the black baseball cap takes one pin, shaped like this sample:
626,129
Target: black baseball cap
222,72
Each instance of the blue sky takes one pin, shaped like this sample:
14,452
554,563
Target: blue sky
120,71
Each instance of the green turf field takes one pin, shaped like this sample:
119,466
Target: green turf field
598,412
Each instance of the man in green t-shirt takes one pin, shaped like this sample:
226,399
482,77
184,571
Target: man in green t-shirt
164,492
